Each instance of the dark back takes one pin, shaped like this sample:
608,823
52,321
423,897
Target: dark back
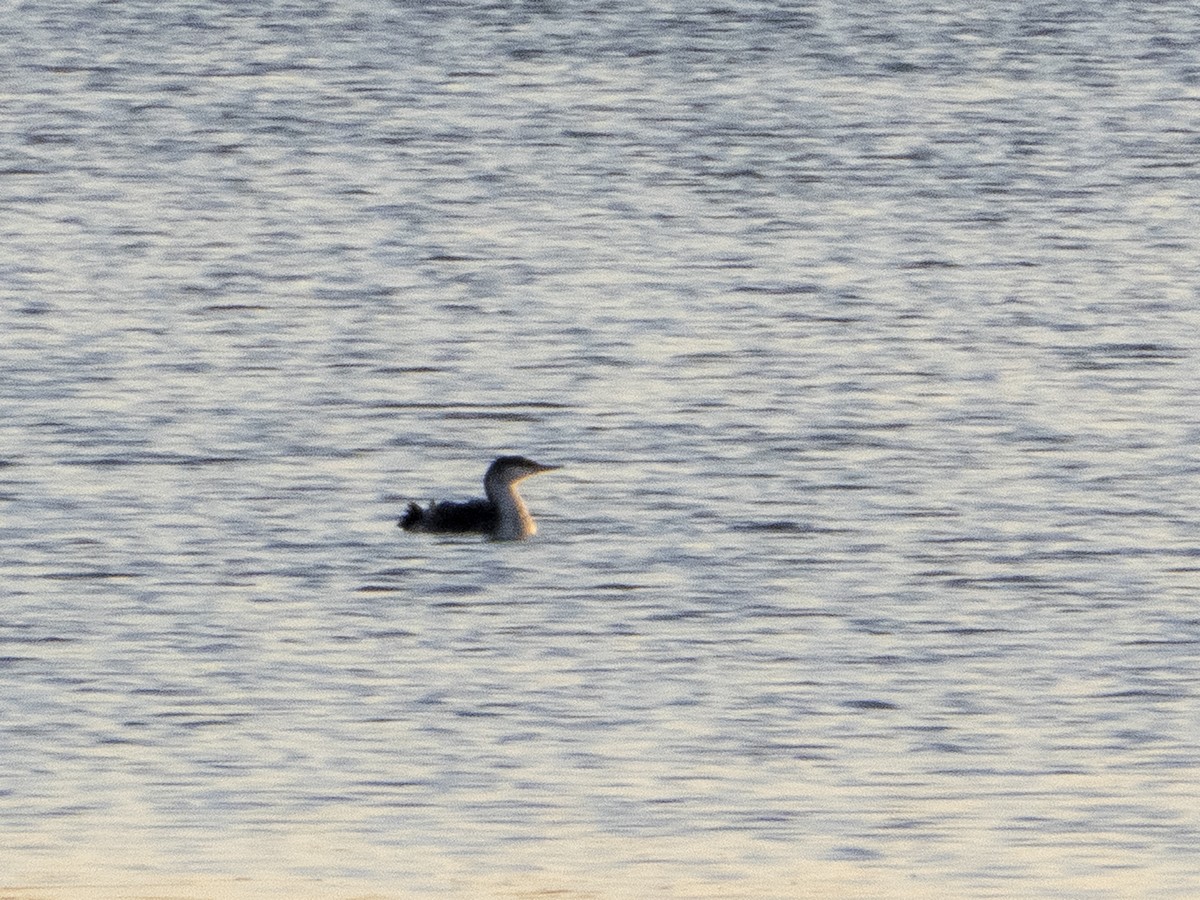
474,515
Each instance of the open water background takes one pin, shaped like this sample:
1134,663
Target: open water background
866,335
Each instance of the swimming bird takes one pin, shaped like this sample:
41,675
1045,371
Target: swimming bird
503,516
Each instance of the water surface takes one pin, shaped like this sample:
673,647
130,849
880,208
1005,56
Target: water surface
866,336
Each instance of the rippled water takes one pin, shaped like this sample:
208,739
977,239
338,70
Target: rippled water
866,335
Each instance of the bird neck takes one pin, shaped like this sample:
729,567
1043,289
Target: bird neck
512,516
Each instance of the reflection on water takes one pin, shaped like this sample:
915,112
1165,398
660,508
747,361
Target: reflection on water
867,339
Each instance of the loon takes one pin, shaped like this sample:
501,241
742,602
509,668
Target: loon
503,516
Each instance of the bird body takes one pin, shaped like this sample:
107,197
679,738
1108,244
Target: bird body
503,516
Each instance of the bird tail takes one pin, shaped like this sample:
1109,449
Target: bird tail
412,517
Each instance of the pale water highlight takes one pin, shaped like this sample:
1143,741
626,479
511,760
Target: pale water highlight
866,335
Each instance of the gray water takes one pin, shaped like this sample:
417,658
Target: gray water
867,338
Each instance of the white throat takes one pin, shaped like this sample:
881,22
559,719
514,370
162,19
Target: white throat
513,519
